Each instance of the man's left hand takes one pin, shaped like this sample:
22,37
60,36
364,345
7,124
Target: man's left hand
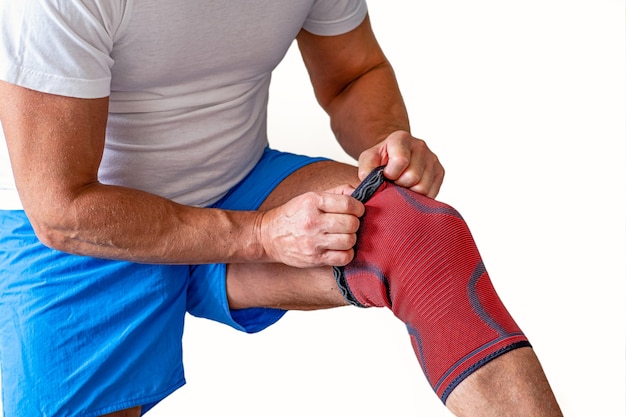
408,163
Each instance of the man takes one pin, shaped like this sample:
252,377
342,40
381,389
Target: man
140,187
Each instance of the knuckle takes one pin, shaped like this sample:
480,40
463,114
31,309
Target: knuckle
399,136
309,225
313,199
369,152
309,249
401,159
411,177
420,142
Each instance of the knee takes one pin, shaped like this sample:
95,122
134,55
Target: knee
402,220
409,243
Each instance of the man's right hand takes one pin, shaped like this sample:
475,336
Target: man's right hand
312,229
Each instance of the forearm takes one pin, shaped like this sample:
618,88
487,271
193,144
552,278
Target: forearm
56,144
355,84
368,110
125,224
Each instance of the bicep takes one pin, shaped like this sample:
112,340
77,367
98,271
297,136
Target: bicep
55,144
333,62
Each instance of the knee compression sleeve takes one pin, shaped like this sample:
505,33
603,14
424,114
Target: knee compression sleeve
417,257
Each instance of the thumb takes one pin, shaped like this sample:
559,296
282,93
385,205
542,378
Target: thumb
371,159
344,189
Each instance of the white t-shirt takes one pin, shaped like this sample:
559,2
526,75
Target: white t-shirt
188,80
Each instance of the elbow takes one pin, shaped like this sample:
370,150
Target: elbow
53,229
53,238
58,215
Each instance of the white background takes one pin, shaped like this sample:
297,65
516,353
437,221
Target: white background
524,103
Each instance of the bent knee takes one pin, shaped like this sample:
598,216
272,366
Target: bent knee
407,216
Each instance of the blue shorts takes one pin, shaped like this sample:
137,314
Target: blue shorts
85,336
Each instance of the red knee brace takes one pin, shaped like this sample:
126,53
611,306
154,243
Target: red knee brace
417,257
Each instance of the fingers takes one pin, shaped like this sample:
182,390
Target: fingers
334,203
408,162
313,229
342,190
429,183
416,168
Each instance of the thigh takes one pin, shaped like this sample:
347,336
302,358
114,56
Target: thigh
80,335
319,176
280,286
278,177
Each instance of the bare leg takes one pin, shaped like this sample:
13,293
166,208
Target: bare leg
130,412
510,385
297,289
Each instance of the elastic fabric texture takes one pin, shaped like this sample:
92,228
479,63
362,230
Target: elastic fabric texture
416,256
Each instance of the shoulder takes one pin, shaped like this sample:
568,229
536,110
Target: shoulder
329,18
82,32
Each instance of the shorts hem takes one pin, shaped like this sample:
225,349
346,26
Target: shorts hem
146,402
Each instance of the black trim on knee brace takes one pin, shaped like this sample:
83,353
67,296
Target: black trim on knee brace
363,193
473,368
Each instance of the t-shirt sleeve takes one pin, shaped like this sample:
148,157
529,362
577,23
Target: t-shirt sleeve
334,17
59,46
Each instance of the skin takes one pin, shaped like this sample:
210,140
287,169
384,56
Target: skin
279,256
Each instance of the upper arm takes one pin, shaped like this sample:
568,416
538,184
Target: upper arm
333,62
55,144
